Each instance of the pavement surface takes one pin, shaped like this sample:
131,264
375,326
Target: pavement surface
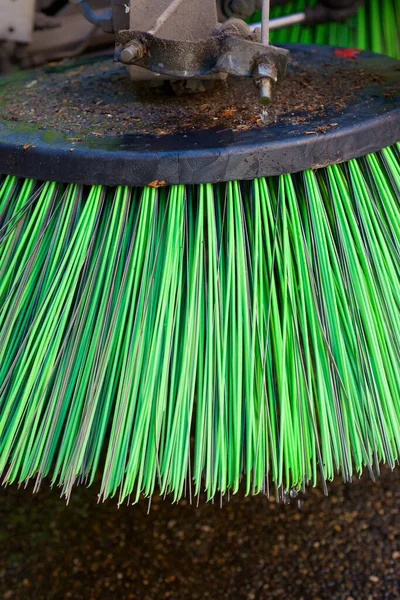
346,546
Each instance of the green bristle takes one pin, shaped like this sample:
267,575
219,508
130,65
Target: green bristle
204,337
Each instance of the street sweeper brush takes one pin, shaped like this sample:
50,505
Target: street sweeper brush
212,299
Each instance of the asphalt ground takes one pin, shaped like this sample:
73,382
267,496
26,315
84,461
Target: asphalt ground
346,546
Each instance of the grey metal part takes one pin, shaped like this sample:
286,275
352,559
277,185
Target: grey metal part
182,39
265,10
279,22
245,57
221,53
174,19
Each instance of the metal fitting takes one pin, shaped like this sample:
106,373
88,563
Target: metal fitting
265,76
131,53
265,91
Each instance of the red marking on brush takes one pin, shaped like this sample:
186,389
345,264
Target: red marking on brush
347,52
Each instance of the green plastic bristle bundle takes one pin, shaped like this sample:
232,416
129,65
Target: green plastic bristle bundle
202,338
375,27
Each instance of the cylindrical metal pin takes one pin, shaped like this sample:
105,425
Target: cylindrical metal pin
131,53
265,91
265,84
266,5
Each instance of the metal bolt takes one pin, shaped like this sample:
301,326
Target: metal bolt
265,91
266,76
131,53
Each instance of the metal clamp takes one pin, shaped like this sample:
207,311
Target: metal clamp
220,53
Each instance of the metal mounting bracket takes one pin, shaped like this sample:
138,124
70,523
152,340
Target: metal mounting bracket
220,53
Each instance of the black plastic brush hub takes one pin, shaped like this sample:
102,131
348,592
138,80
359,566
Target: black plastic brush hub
368,121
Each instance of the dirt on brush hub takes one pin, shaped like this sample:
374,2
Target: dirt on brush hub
97,98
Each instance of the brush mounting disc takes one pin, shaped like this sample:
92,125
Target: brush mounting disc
84,122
